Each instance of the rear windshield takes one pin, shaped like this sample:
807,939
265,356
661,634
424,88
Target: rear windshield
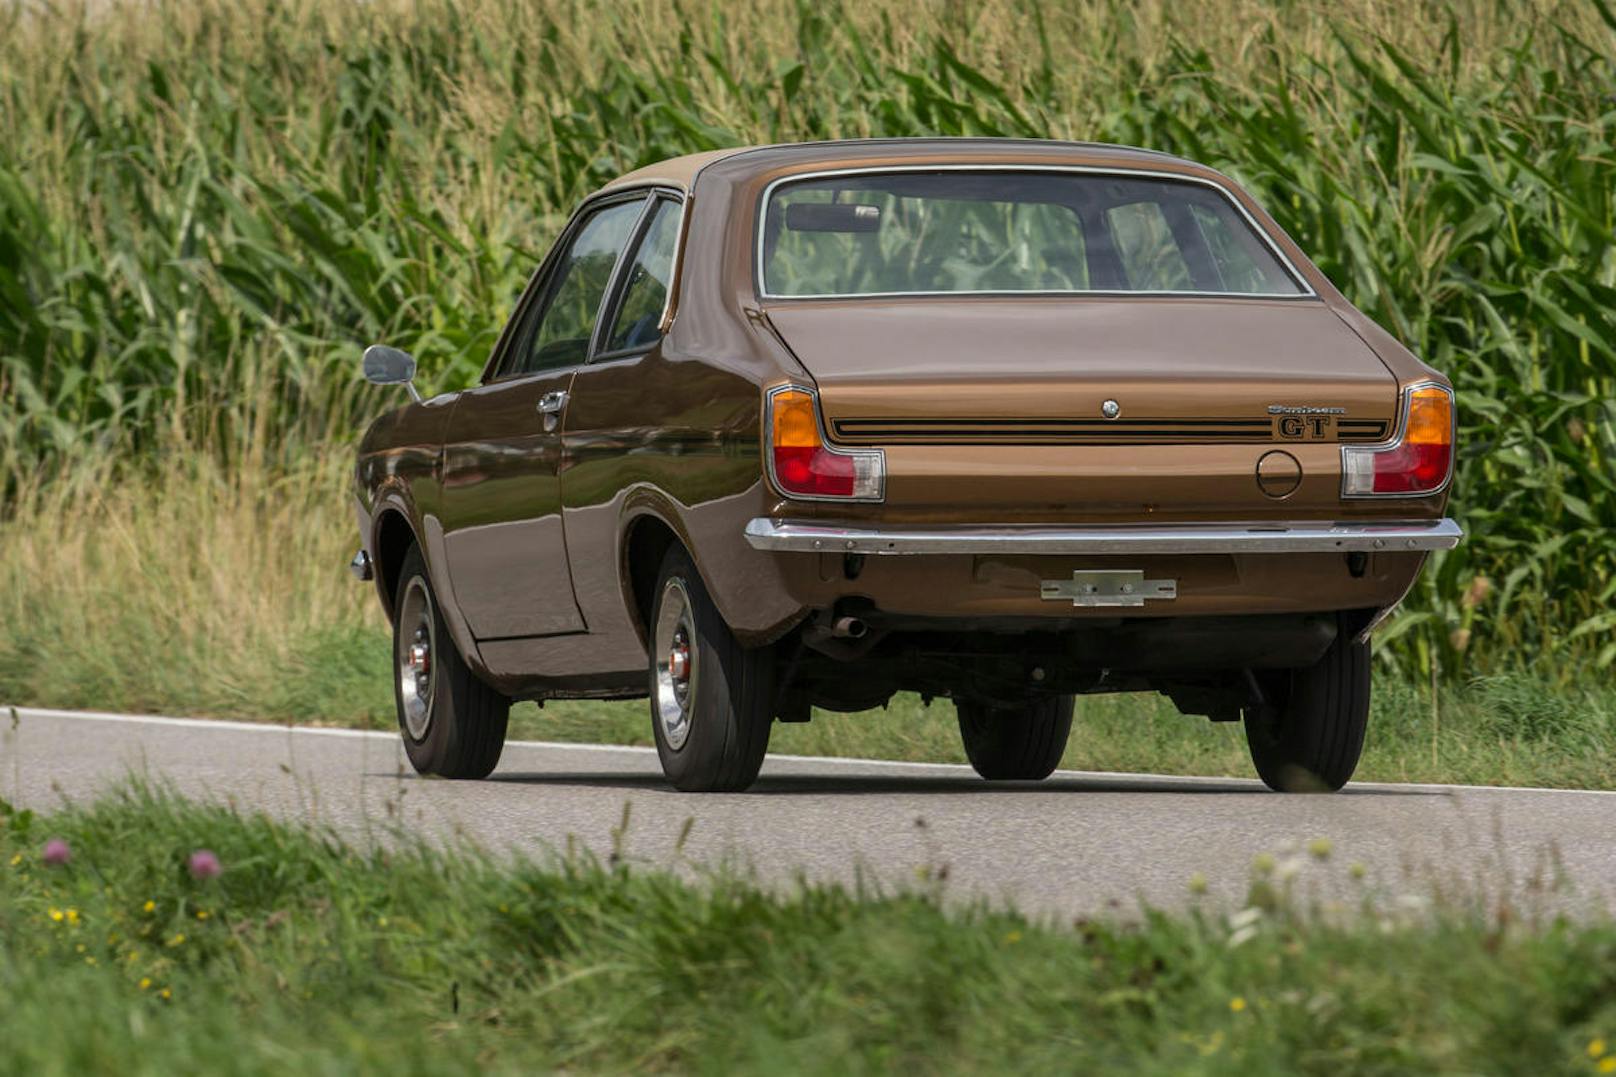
953,232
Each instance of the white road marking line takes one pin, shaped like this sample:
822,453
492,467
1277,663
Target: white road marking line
568,746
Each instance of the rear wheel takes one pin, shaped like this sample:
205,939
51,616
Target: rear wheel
1308,736
1019,743
712,700
453,724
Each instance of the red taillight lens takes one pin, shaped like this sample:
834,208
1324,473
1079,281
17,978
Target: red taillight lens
814,471
1417,463
804,466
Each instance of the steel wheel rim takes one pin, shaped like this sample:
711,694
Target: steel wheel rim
415,654
675,665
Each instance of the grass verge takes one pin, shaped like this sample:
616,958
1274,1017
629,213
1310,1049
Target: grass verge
309,955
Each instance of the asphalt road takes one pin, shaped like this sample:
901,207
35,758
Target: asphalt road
1077,844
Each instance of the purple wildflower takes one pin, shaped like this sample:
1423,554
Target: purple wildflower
57,852
205,865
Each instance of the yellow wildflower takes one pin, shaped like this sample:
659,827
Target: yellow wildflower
201,914
149,906
73,916
145,982
1013,937
1237,1004
55,915
15,860
1596,1047
79,949
177,939
165,993
89,961
1607,1064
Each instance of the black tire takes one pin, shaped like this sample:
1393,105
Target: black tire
1310,735
712,724
461,732
1022,743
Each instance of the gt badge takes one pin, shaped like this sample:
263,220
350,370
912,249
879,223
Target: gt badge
1299,423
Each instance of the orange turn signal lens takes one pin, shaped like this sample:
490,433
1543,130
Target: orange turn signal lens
1430,417
795,424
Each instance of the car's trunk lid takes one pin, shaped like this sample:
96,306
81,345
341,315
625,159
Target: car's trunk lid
951,387
1042,370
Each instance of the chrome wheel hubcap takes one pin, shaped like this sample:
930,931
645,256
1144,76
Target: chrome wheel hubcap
416,642
676,668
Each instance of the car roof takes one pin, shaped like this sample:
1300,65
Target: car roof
678,172
681,172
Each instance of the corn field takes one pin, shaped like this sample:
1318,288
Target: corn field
206,208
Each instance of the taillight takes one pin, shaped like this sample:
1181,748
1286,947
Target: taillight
803,465
1418,462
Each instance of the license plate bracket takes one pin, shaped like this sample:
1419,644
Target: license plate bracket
1108,587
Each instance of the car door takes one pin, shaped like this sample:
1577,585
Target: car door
634,419
501,503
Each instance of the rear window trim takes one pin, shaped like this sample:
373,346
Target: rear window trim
1262,234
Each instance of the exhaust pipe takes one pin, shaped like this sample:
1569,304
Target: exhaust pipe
848,628
840,637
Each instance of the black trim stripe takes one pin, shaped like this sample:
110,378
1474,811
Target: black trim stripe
1363,429
1261,424
965,431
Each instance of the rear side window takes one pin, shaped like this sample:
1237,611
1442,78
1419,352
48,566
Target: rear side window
559,336
968,231
645,292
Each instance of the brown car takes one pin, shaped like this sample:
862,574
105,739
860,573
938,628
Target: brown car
1002,422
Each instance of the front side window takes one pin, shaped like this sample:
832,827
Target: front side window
645,292
560,334
940,232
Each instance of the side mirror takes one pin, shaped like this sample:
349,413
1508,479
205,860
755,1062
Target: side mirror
389,366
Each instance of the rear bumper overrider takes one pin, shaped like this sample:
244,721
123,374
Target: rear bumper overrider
1226,538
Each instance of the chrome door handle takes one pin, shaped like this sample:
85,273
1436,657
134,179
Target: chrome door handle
550,403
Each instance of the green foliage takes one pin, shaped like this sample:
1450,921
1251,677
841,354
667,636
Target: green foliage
315,955
206,208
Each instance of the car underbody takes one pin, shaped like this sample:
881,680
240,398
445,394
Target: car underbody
854,659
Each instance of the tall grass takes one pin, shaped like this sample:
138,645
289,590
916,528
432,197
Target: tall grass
206,207
199,589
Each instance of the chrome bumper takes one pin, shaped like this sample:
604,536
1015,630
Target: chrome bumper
1303,537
